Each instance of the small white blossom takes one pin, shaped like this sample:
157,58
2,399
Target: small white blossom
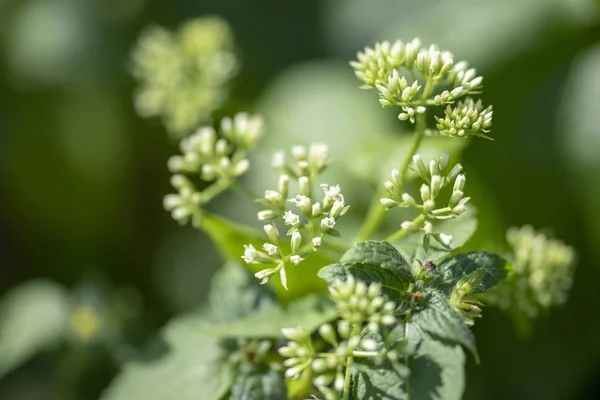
272,196
327,223
295,259
250,254
270,248
317,241
299,152
289,218
333,192
278,160
301,201
446,239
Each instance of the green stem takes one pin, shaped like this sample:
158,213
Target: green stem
376,210
349,363
394,237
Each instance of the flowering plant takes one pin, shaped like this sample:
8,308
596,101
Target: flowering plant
330,315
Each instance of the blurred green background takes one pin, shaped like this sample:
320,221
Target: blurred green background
82,177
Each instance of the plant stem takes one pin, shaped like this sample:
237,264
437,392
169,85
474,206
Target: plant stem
376,210
402,233
349,363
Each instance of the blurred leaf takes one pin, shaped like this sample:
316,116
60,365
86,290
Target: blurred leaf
463,265
235,294
439,318
259,386
309,312
580,139
373,261
33,318
230,239
461,229
510,27
196,367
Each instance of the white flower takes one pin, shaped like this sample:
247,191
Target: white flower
289,218
272,196
317,241
270,248
333,191
250,254
446,239
327,223
278,160
301,201
299,152
295,259
318,153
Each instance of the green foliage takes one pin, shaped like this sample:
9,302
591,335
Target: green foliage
33,318
309,312
259,386
373,262
439,319
196,366
464,265
461,229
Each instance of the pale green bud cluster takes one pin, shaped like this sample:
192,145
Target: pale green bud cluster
186,202
363,310
541,276
213,158
375,65
406,75
467,118
183,75
308,220
460,298
438,178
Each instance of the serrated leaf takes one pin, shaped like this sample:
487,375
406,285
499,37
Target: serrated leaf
33,317
235,294
230,238
463,265
259,386
195,367
436,372
373,261
438,318
461,229
309,312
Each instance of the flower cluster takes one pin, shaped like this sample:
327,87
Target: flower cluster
183,75
308,222
541,275
214,159
437,176
467,118
364,311
392,69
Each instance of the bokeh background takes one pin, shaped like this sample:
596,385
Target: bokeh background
82,177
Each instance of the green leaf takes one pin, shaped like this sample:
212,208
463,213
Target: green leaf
463,265
235,294
259,386
439,319
230,239
33,318
461,229
436,371
309,312
196,367
373,261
